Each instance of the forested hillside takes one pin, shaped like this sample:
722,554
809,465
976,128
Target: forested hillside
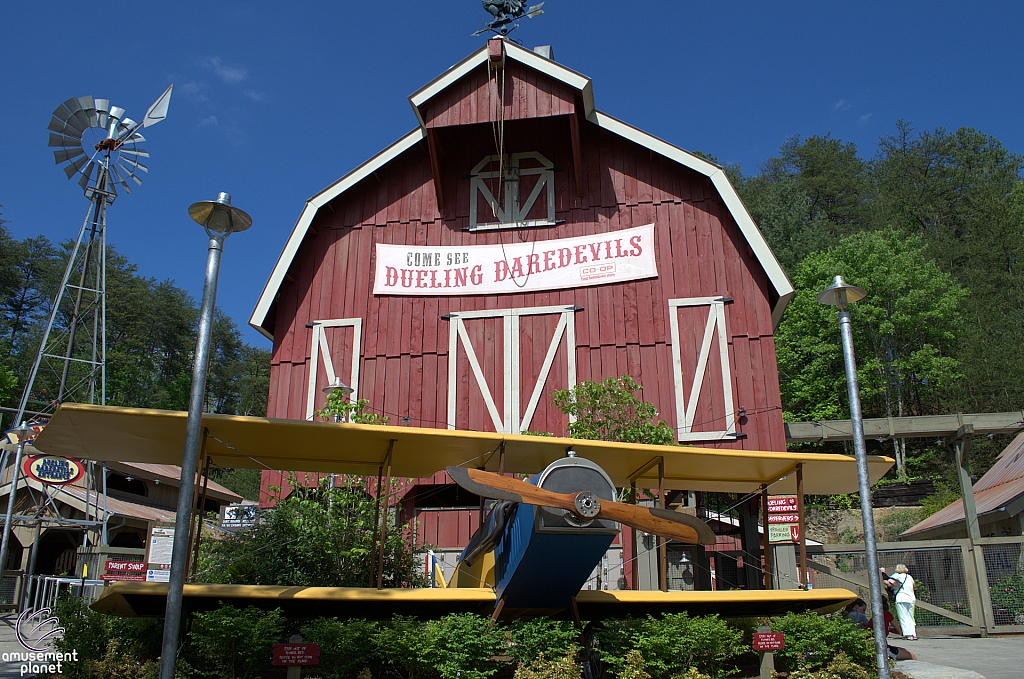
151,328
932,226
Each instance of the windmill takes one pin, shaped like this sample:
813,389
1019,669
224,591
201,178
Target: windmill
505,15
100,145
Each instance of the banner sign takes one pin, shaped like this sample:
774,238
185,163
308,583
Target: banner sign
52,469
613,257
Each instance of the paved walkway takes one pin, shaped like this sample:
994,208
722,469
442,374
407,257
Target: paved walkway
993,658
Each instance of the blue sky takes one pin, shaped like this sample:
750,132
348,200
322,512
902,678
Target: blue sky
274,101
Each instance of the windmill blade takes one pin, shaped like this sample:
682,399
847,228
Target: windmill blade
102,109
158,111
67,154
58,125
135,138
61,140
142,153
83,181
75,166
88,105
131,174
674,525
133,163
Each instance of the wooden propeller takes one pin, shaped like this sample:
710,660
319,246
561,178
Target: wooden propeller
673,525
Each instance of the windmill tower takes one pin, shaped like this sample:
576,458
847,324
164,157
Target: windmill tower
100,145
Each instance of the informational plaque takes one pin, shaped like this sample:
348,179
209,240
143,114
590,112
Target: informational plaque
783,519
161,544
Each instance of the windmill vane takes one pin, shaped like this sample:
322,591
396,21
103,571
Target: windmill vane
506,15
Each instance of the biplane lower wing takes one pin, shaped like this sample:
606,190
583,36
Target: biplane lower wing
147,599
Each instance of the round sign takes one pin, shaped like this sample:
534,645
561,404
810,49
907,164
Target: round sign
52,469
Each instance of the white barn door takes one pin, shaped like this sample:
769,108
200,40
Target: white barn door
700,363
507,414
336,342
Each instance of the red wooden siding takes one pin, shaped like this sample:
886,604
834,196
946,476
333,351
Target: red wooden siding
624,328
474,99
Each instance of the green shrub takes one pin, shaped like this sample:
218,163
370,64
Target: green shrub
678,642
462,645
1008,599
235,642
541,636
93,635
671,645
564,666
345,648
633,666
841,667
816,640
400,647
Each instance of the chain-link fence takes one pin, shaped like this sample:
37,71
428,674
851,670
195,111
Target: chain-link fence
1004,567
940,579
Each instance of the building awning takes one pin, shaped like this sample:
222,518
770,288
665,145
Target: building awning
158,437
131,599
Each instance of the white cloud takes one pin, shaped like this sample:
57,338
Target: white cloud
865,119
841,105
255,96
208,121
229,74
194,91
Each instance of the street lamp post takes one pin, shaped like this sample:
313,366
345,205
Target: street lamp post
840,294
220,220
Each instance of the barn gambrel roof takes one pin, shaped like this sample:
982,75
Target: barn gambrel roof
780,283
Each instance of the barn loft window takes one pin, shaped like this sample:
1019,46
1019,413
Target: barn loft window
127,484
512,192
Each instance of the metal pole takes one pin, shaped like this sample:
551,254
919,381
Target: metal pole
385,515
769,566
5,543
106,516
634,570
189,462
662,542
801,525
874,577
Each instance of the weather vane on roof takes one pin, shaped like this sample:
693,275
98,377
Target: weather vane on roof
507,14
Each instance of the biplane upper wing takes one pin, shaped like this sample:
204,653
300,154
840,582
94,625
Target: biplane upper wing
158,436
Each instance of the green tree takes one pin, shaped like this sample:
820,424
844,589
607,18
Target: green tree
610,411
316,537
903,331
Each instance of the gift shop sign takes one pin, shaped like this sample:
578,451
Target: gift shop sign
52,469
516,266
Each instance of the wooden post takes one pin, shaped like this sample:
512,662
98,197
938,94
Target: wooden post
767,658
294,671
376,524
199,519
961,450
662,543
769,566
802,526
195,496
635,571
384,521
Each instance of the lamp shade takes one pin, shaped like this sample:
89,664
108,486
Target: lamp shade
219,217
841,293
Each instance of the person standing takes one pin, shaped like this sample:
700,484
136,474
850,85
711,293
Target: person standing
903,586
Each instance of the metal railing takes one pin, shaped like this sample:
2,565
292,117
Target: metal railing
41,591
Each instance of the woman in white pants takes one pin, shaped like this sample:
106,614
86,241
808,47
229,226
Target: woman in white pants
903,585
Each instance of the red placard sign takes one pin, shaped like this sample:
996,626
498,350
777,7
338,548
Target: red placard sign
296,654
132,571
769,641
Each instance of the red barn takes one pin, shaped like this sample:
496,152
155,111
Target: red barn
516,242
